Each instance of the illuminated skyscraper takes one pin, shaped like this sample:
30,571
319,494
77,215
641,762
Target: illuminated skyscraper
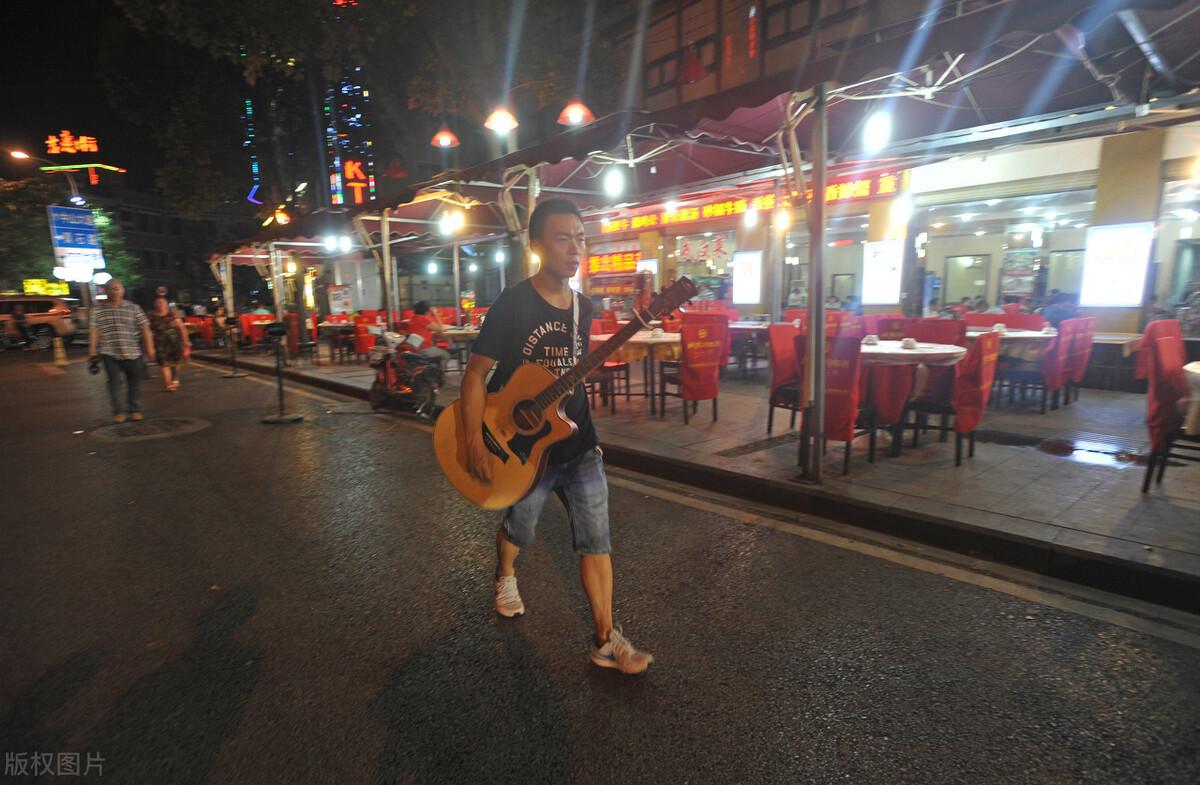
349,149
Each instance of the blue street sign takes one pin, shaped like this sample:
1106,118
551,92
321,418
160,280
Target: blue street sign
75,237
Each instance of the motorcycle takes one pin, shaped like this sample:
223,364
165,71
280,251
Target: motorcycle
403,378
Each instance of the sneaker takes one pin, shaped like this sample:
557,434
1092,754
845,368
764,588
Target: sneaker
508,599
621,654
137,416
118,418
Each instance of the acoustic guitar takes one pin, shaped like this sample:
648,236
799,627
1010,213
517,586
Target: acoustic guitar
525,419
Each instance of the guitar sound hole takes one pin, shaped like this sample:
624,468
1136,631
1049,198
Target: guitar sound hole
527,415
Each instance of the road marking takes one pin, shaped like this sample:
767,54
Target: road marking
1166,623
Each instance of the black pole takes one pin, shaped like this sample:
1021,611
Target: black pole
231,337
278,332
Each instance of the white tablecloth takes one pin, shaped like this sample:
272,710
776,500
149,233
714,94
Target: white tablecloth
1015,335
892,353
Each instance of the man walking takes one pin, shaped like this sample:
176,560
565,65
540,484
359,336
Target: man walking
542,320
116,325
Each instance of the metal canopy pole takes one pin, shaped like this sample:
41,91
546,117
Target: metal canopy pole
816,296
457,286
276,282
385,248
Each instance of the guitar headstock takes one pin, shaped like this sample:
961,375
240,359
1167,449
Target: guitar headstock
672,297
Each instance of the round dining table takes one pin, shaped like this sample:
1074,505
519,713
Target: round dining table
650,341
894,353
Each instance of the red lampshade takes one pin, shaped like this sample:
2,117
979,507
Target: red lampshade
444,138
576,113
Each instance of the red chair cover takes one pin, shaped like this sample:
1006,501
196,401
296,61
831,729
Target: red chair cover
363,340
1081,353
722,319
1054,359
984,319
475,314
973,378
782,340
1160,359
700,360
671,323
792,314
843,364
1011,309
892,328
950,331
1024,321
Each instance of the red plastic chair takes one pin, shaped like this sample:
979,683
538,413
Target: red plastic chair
363,341
1081,356
785,381
1048,376
967,399
1011,309
606,379
792,314
696,374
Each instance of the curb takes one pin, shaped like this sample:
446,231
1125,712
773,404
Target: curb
1144,582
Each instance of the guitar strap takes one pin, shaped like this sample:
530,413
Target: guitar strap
575,326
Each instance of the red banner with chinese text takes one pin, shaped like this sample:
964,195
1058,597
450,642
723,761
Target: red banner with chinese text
700,365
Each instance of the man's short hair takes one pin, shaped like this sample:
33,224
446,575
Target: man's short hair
421,307
555,206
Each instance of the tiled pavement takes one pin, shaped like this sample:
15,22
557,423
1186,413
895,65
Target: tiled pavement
1069,478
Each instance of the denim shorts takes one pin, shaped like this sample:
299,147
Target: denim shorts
581,485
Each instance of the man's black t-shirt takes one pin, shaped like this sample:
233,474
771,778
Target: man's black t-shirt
521,327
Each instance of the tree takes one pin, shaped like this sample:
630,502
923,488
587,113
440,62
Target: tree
25,250
118,262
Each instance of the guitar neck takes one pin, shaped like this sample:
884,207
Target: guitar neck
589,363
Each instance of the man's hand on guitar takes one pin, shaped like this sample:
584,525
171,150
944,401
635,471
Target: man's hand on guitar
477,461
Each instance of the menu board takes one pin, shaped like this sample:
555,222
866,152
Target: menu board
1114,265
339,298
883,262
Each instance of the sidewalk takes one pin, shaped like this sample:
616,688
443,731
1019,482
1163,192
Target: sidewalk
1058,493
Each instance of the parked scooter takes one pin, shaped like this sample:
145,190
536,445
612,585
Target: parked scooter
403,378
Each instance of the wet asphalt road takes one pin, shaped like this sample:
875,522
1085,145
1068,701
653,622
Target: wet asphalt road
312,604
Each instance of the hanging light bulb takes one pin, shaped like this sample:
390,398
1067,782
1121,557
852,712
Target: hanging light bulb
576,113
431,268
501,121
331,243
345,244
750,218
782,219
445,138
614,182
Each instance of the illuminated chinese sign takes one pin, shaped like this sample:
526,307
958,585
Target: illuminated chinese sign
618,262
45,287
355,179
886,184
67,142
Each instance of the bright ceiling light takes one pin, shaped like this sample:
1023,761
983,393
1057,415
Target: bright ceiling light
1080,226
21,154
291,267
451,222
992,202
965,217
937,224
500,256
902,209
782,219
431,268
877,132
472,267
345,244
330,242
501,121
576,113
671,206
750,218
614,182
980,232
1191,216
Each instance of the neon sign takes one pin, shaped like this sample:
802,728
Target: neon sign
355,179
885,184
618,262
67,142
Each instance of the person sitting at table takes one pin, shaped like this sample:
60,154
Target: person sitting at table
1156,311
1061,307
832,303
424,323
259,308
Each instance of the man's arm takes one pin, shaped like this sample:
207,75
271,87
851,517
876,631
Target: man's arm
186,336
474,394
